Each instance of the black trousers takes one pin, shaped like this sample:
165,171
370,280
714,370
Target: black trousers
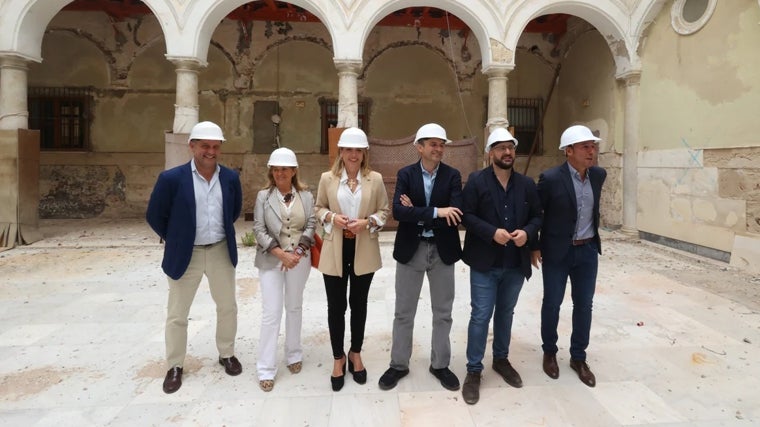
335,288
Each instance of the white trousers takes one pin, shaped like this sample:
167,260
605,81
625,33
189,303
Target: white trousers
278,289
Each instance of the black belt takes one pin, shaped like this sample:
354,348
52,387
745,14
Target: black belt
208,245
582,242
429,239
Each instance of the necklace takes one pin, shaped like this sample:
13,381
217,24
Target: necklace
352,184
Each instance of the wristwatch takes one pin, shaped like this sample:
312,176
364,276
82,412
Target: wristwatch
299,250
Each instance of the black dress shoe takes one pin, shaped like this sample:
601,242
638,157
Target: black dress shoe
471,388
390,378
231,365
584,372
359,376
173,380
550,365
505,369
338,382
447,378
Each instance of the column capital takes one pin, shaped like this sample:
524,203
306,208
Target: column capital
353,66
630,77
187,62
498,70
11,60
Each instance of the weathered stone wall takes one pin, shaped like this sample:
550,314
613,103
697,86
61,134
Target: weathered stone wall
133,98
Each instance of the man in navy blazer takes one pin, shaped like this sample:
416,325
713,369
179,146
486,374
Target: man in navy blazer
502,215
569,246
426,204
193,208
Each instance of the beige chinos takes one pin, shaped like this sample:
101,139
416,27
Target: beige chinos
214,262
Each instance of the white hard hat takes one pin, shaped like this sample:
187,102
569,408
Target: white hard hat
431,130
206,130
499,135
576,134
283,157
353,138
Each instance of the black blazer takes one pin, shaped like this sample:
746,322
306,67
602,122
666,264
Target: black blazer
171,214
447,191
482,218
557,194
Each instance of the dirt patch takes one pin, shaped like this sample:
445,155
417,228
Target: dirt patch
157,368
27,383
248,287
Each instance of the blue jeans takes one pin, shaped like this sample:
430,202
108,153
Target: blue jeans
491,292
580,264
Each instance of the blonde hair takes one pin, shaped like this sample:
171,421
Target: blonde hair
364,169
295,181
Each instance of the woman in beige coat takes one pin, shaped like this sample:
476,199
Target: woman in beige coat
353,206
284,222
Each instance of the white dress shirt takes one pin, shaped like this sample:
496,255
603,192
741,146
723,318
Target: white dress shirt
209,219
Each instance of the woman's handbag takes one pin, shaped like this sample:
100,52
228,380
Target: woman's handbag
316,248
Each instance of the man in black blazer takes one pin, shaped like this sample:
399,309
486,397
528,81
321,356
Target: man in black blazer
502,214
193,207
426,204
569,246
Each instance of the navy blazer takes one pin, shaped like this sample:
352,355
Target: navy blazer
447,191
482,218
557,194
171,214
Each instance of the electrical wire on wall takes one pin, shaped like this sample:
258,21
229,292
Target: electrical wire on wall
456,77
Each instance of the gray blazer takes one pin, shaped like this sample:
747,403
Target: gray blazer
267,223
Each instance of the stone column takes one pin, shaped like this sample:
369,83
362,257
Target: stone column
631,82
185,112
14,112
497,96
348,103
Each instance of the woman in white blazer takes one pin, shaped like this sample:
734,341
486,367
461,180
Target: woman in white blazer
284,223
353,206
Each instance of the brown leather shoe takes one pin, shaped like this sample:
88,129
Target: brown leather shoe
584,373
173,380
231,365
505,369
471,388
550,365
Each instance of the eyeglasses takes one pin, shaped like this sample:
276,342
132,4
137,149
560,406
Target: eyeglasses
288,197
501,147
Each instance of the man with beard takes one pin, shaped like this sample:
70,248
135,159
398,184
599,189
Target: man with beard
502,214
569,246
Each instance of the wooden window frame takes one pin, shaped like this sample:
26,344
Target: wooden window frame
62,115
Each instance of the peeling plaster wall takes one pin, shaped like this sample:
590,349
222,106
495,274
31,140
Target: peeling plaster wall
588,94
699,180
408,77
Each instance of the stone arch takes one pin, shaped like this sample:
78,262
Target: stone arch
479,16
395,45
610,20
24,24
202,21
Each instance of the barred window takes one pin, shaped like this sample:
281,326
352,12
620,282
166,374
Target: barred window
525,115
62,115
329,114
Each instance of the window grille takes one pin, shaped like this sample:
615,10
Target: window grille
525,115
329,113
62,115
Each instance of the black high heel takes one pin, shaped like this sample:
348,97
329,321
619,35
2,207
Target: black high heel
338,382
359,376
